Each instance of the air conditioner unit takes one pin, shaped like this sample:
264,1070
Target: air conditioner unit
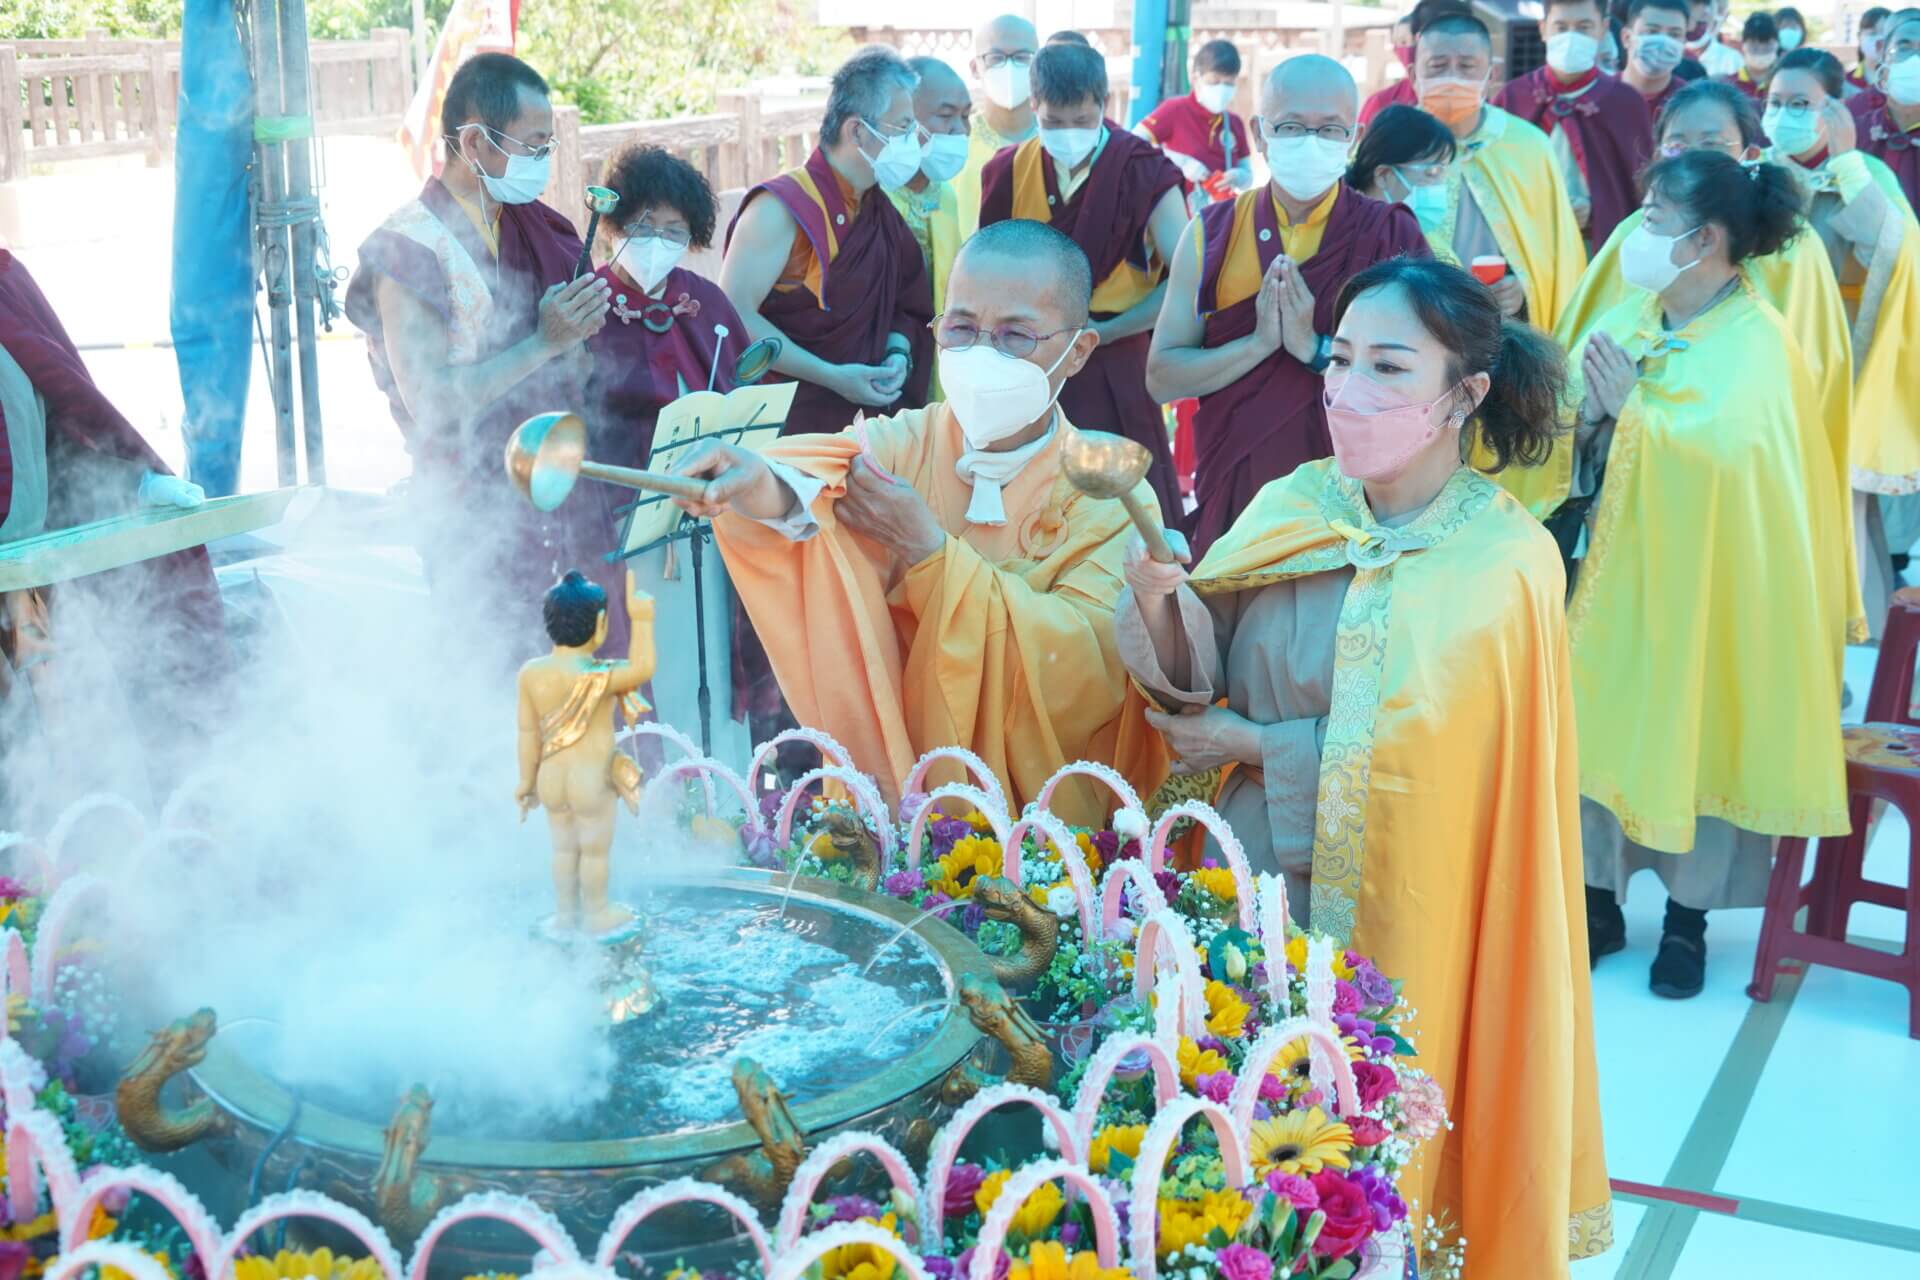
1515,25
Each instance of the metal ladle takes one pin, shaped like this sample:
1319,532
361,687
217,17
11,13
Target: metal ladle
1102,465
547,455
600,200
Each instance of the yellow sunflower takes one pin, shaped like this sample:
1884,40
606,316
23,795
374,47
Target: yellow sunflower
1226,1011
320,1264
1196,1062
1049,1261
1297,957
1302,1142
1190,1222
857,1262
1217,881
1035,1215
1124,1138
115,1273
970,856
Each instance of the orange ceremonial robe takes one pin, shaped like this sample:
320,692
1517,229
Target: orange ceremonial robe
1002,642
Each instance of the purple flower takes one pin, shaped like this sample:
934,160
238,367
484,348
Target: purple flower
940,1267
760,850
1360,1029
910,806
904,884
1000,1266
1388,1207
1215,1086
852,1209
1214,1043
1261,1111
1346,997
1374,987
934,899
962,1181
972,916
1242,1262
14,1256
1272,1088
948,832
1106,844
1131,849
11,889
1069,1234
1168,883
1295,1190
770,802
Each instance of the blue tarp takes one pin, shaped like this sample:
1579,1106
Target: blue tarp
212,302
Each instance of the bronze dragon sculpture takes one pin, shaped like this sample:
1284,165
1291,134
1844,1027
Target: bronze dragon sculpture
177,1047
1039,930
762,1176
999,1015
405,1199
851,840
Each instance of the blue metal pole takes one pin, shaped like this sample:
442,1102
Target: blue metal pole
1149,57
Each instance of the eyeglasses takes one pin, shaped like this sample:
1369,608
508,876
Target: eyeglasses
913,129
997,59
679,236
1288,129
1014,340
496,137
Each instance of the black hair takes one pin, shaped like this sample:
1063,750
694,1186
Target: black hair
1458,24
1874,17
1219,57
1825,68
1759,28
573,608
1065,75
1789,17
646,176
863,87
1680,7
486,90
1548,6
1039,245
1398,135
1746,116
1759,207
1070,36
1427,11
1521,415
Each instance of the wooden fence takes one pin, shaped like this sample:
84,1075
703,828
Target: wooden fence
79,99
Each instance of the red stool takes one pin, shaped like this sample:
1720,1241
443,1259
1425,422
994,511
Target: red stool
1883,763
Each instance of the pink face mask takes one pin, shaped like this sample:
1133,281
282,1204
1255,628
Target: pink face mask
1377,432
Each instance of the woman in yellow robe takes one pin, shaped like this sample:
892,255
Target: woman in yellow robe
1706,613
1443,829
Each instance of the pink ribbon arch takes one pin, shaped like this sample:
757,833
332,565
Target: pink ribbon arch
978,799
1164,932
830,751
16,972
707,769
91,803
1105,775
53,929
201,1231
494,1206
673,737
983,777
1079,875
37,1151
1162,1136
822,1161
1101,1070
865,796
680,1191
1246,1089
1113,889
124,1258
1029,1179
794,1262
307,1204
1230,847
1273,937
946,1145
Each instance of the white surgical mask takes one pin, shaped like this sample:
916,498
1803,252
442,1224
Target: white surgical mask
945,156
1429,203
1794,132
649,260
1790,38
1646,258
1657,54
1215,97
524,180
1306,166
899,158
1070,146
1903,80
1571,53
1009,85
993,395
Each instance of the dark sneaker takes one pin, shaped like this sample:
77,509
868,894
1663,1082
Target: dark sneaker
1606,926
1680,970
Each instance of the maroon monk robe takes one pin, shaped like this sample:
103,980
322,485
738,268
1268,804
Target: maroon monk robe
1184,125
1268,423
173,647
1399,93
1107,218
1608,126
1864,104
875,285
472,522
1881,136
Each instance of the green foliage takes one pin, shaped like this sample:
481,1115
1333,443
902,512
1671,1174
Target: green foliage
358,19
72,19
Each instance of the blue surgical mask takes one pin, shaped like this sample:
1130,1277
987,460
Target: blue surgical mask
1794,132
1429,203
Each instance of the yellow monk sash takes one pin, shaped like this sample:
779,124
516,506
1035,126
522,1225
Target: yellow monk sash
1509,168
813,278
1253,554
1715,496
1240,271
1126,284
1886,346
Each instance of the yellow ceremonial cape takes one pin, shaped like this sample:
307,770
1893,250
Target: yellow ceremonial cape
1510,168
1707,645
942,245
1002,642
1447,837
982,145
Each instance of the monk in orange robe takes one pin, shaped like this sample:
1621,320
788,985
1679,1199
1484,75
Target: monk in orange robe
931,578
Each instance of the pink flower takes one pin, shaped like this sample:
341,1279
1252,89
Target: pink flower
962,1181
1346,997
1216,1086
1375,1083
1367,1132
1349,1214
1240,1262
1295,1190
1272,1088
1423,1105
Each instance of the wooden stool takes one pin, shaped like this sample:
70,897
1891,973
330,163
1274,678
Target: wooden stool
1883,763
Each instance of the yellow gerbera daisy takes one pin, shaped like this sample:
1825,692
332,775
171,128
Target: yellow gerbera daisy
1302,1142
1036,1213
321,1264
1297,957
970,856
1124,1138
857,1262
1047,1260
1226,1011
1190,1222
1196,1062
115,1273
1217,881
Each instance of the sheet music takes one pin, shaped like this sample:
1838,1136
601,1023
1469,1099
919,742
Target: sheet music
750,417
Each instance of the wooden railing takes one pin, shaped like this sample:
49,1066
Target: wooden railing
79,99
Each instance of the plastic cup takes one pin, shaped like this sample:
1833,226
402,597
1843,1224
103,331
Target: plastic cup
1489,269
